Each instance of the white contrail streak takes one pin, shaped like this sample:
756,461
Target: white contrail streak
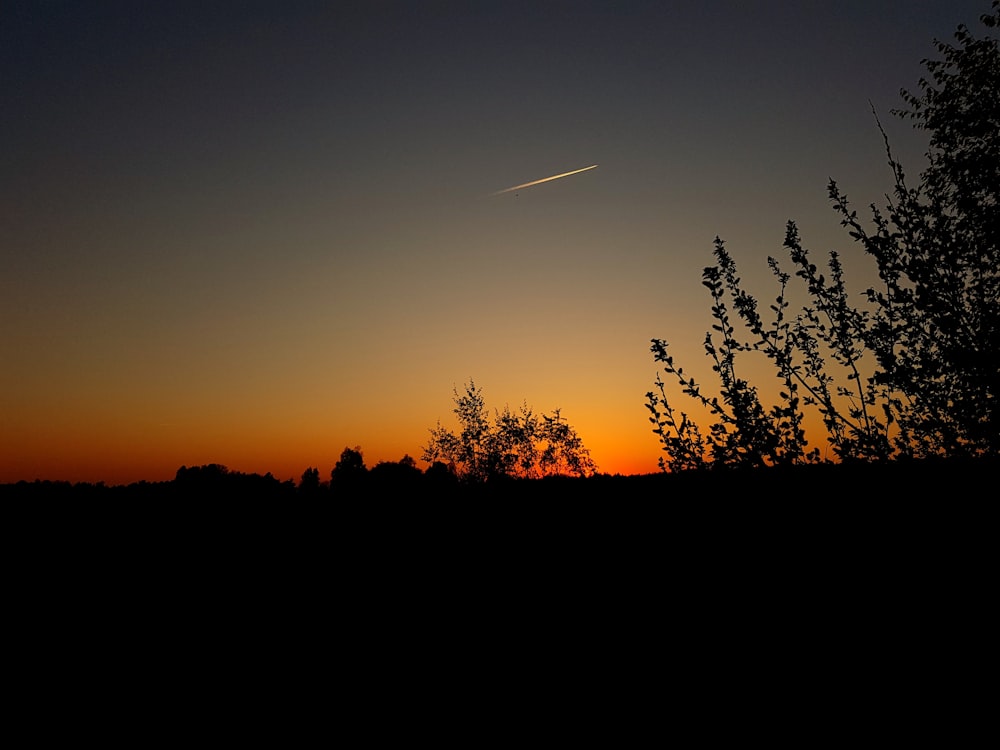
546,179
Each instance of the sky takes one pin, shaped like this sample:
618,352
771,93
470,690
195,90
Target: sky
256,233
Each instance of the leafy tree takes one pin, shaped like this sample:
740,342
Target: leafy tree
511,444
937,326
395,475
915,372
350,471
309,485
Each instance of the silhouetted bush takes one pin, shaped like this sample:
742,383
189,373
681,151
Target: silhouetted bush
510,445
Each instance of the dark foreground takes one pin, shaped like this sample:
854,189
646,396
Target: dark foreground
787,551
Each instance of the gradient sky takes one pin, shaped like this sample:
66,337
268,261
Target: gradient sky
254,233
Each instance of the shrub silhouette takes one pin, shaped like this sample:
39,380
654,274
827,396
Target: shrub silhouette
915,372
512,444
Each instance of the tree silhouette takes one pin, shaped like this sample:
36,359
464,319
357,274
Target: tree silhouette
916,371
216,481
511,444
936,331
349,472
309,486
395,476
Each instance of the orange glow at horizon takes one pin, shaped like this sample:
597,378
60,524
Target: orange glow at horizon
118,453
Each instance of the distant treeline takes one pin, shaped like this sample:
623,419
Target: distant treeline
945,481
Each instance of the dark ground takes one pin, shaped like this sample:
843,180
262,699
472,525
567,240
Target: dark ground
895,503
836,570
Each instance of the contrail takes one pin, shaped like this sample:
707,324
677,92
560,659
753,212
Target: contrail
547,179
